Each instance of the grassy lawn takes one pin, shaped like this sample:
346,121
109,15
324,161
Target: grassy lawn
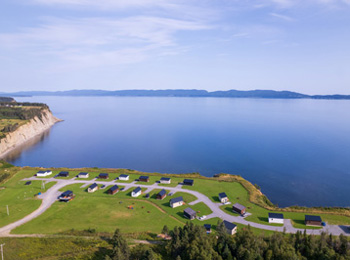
19,197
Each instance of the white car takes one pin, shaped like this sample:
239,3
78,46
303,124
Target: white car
202,217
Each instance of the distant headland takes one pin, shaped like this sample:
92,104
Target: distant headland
271,94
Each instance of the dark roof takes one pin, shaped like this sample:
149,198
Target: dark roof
229,225
276,215
136,190
123,175
313,218
42,171
63,173
207,226
113,188
165,179
92,186
222,195
162,193
144,177
83,173
190,211
178,199
188,181
103,174
67,193
238,206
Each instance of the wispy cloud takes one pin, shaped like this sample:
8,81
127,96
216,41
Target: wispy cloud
282,17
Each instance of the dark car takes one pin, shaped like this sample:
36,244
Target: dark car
147,195
103,186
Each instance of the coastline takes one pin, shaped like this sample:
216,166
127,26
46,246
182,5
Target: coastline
25,133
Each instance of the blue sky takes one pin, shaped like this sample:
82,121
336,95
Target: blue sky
297,45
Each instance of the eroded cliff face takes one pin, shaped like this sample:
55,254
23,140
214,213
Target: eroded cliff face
25,132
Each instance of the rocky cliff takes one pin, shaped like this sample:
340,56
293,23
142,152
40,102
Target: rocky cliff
27,131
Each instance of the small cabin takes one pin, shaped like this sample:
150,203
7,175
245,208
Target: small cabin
188,182
176,202
103,176
230,227
63,174
92,188
66,196
136,192
276,218
165,180
83,175
207,228
123,177
161,195
238,208
313,220
113,190
223,197
144,178
190,213
43,173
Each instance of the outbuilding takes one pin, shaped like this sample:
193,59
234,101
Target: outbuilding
207,228
123,177
161,195
276,218
188,182
230,227
66,196
238,208
165,180
92,188
311,220
83,175
190,213
136,192
103,176
144,178
113,190
63,174
43,173
223,197
176,202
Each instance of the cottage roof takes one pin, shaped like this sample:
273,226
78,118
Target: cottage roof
64,173
83,173
238,206
103,174
313,218
175,200
113,188
222,195
162,193
189,181
136,190
67,193
144,177
276,215
93,186
165,179
229,225
123,176
190,212
42,171
207,226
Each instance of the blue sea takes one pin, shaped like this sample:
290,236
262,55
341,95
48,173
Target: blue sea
297,151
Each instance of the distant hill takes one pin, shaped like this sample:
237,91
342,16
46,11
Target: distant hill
6,99
180,93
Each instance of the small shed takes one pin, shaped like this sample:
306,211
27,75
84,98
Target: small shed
311,220
43,173
66,196
238,208
103,176
190,213
83,175
188,182
92,188
136,192
276,218
230,227
207,228
113,190
165,180
176,202
144,178
63,174
161,195
123,177
223,197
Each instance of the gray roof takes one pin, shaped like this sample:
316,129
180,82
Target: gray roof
178,199
238,206
276,215
313,218
67,193
83,173
190,211
123,176
92,186
115,187
136,190
165,179
229,225
222,195
162,192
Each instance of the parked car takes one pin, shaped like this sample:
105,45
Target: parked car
147,195
324,224
202,217
103,186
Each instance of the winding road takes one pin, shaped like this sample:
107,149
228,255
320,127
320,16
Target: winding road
50,196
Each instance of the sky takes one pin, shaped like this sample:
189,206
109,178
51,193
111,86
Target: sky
296,45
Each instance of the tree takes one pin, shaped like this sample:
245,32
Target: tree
165,230
121,250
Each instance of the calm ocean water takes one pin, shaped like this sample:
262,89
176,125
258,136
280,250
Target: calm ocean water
298,151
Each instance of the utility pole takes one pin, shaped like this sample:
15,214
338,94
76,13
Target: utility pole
2,251
8,212
43,185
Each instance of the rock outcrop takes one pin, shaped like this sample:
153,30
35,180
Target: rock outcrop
27,131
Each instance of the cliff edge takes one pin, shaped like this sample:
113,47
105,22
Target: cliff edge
34,127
